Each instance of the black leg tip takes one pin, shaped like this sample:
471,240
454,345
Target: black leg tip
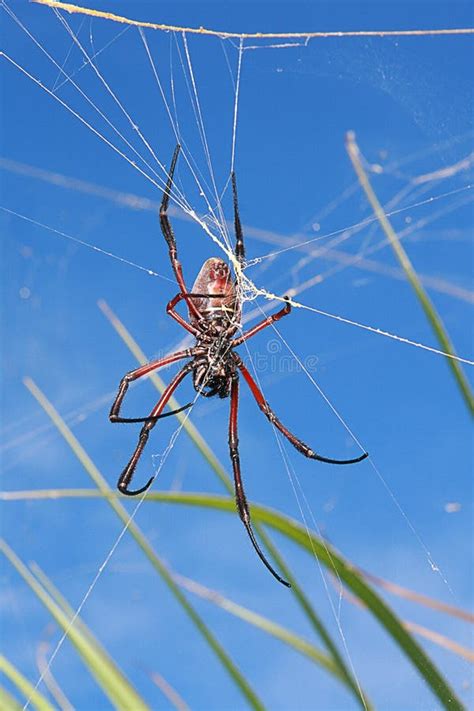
122,487
327,460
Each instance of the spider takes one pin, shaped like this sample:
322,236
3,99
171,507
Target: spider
214,308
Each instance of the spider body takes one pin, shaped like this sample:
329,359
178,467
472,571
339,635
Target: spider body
214,294
214,309
216,298
212,373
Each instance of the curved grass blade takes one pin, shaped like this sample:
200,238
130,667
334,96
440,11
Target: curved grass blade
441,640
7,702
220,472
308,540
263,623
60,600
141,540
389,586
44,668
272,628
298,643
247,615
418,598
435,637
347,573
425,301
23,685
113,682
176,701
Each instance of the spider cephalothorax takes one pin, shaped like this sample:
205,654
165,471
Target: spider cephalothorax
214,308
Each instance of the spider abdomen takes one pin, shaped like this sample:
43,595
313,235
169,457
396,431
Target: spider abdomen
214,278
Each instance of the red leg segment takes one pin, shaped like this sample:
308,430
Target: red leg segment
114,415
263,324
127,474
177,317
240,497
297,443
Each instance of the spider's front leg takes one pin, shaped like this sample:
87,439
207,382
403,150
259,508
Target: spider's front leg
263,324
150,422
240,497
239,235
168,234
114,415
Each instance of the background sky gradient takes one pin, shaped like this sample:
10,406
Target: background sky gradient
409,100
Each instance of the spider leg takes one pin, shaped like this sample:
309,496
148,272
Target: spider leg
177,317
263,324
114,414
297,443
241,500
168,234
127,474
239,236
149,418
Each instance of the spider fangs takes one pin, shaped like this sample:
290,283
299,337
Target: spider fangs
214,309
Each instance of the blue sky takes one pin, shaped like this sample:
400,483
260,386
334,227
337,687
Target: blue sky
409,100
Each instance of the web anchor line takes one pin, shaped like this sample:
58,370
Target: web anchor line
222,34
228,252
365,327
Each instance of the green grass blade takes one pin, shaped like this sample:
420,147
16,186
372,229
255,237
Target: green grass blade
23,685
296,642
387,585
171,694
7,702
220,472
61,601
216,598
272,628
309,541
347,573
113,682
141,540
425,301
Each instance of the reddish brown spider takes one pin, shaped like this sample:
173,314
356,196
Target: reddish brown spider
214,308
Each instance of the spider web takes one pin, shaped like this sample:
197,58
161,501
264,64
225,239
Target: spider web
418,198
